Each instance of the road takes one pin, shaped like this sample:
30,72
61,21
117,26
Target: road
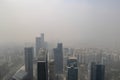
12,72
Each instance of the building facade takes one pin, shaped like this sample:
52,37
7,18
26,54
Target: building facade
97,72
40,43
72,69
29,62
58,58
42,70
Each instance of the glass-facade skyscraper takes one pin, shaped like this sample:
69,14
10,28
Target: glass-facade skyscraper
29,62
58,58
42,70
72,69
97,72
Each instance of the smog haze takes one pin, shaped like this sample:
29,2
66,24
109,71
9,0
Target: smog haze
87,23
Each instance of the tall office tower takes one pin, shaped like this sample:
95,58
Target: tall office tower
97,72
72,73
51,70
29,62
58,58
39,43
92,71
42,37
66,52
42,66
65,56
71,51
100,72
42,71
72,69
46,45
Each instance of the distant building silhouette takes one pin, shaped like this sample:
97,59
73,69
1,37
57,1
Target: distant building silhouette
40,43
97,72
29,62
58,58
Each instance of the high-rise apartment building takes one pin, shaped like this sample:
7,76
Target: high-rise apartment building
58,58
29,62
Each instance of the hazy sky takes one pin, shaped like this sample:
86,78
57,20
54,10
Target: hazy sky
79,22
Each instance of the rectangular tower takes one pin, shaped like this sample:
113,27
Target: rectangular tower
72,73
42,71
58,58
40,43
29,62
100,72
97,72
92,71
72,69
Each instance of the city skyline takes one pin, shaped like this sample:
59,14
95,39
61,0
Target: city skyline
59,39
67,64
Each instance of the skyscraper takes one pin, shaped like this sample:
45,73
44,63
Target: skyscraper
42,37
40,43
29,62
58,58
42,66
72,73
51,70
100,72
42,71
72,69
97,72
92,71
